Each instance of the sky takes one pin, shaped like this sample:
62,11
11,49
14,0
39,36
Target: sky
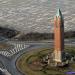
36,15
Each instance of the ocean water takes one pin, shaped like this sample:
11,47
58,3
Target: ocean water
36,15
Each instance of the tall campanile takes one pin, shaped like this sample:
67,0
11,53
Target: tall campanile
58,37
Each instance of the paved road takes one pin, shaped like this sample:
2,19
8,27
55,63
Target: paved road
9,62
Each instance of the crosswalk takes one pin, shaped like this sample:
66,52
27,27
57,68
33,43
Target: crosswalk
5,53
16,48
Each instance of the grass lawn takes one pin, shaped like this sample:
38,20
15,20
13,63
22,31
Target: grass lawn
4,46
23,62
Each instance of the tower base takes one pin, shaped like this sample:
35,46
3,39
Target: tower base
52,62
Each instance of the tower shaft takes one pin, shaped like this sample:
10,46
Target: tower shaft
58,37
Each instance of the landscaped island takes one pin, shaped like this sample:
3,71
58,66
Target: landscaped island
29,63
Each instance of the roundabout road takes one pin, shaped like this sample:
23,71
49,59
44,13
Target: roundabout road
9,62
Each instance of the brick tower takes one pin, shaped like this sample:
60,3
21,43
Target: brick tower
58,37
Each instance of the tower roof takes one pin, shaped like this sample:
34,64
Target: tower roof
59,13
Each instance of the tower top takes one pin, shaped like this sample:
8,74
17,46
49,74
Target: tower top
59,14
